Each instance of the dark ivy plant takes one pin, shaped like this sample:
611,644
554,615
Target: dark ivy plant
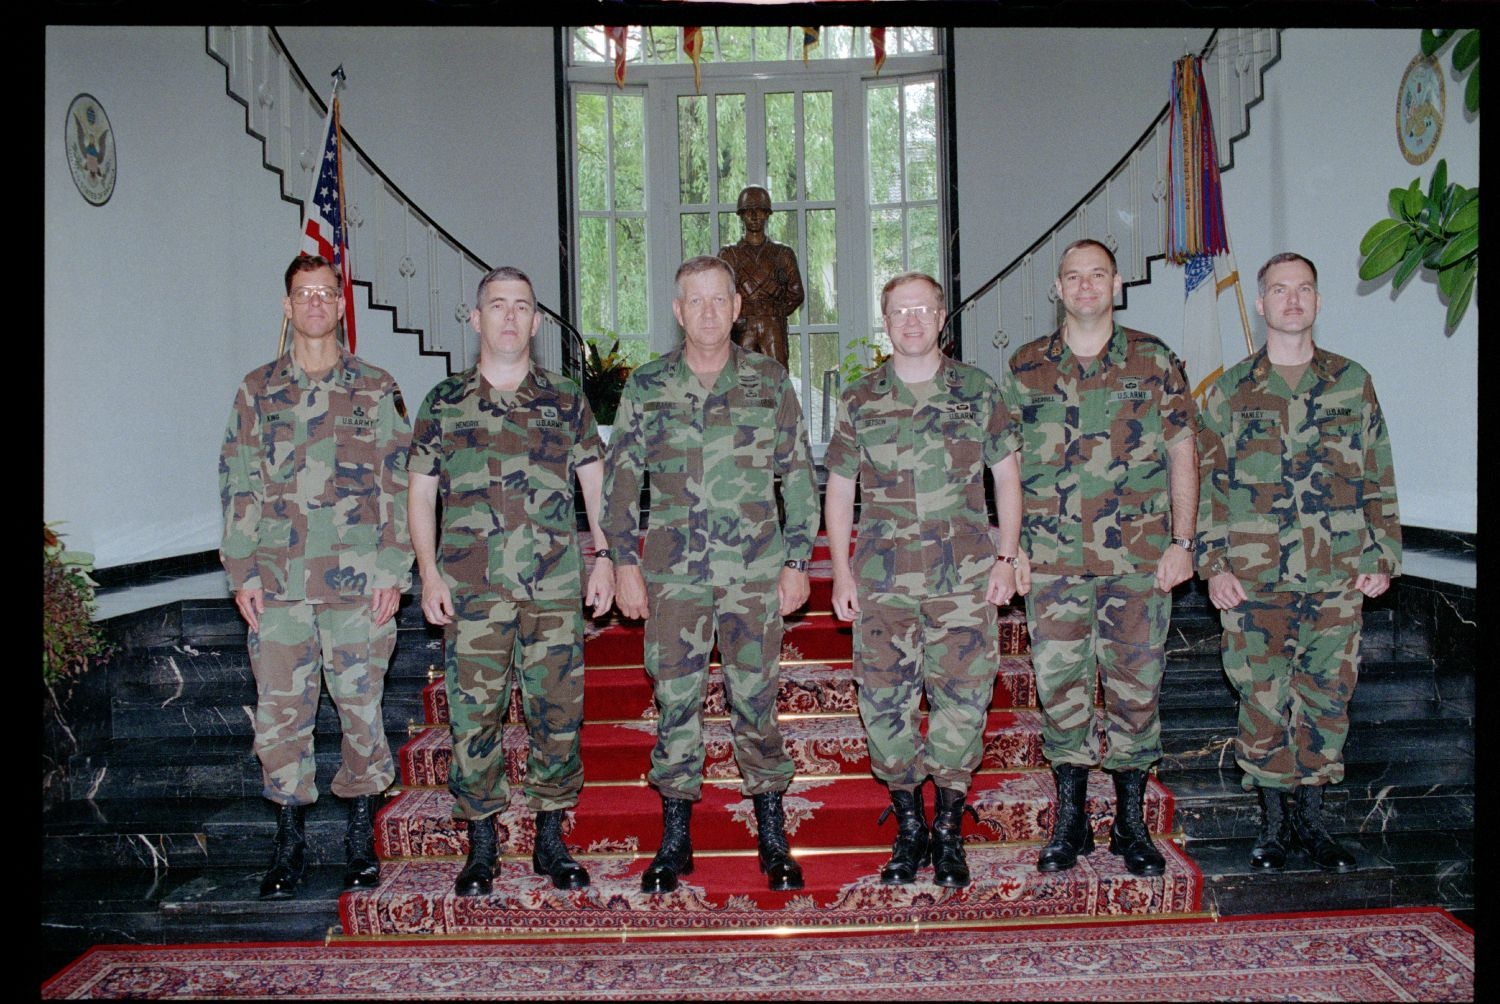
1438,230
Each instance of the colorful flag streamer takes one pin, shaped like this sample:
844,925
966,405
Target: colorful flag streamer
809,39
692,45
616,34
877,42
1195,200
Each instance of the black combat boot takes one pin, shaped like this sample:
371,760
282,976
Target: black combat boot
949,866
1271,843
782,873
1072,833
911,850
288,855
550,857
1309,832
675,856
1128,837
361,866
478,875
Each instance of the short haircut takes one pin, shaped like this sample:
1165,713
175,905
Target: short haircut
1282,259
703,263
305,262
1087,242
505,273
906,277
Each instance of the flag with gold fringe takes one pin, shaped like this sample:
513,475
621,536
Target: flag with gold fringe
877,42
692,45
616,35
809,39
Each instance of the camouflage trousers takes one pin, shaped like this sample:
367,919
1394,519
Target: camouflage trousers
946,646
541,642
1109,628
685,618
1294,659
298,646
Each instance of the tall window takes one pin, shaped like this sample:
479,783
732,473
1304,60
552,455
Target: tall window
609,161
851,160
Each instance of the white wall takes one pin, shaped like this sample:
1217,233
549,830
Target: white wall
152,309
159,301
463,120
1312,176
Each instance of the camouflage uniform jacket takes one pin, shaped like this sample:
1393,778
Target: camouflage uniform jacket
923,525
312,477
711,455
505,464
1297,492
1094,445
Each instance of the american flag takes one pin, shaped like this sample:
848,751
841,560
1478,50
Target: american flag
323,212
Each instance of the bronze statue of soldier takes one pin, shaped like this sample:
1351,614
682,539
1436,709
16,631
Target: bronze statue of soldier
767,277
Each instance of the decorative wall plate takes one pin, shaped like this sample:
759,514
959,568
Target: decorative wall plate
90,143
1419,109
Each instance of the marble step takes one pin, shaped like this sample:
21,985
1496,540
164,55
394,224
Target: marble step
228,709
210,766
1199,739
823,746
822,812
1200,682
128,833
1418,868
1373,798
728,892
172,666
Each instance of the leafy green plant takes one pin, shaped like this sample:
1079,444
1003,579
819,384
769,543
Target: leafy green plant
604,376
1465,58
1438,231
71,641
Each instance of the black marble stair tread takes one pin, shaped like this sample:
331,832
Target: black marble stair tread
128,833
168,666
1432,867
188,766
240,833
1200,682
224,904
1369,718
1415,776
228,709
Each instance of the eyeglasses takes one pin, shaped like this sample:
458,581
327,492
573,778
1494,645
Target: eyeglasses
920,313
301,294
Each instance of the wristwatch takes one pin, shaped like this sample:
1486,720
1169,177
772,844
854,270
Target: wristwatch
796,564
1009,559
605,553
1186,543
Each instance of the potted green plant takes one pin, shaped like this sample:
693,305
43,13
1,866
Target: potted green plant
71,641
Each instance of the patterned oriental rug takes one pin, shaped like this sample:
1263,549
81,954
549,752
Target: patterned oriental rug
1391,955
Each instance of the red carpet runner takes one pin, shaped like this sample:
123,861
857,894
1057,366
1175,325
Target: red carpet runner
831,807
1395,955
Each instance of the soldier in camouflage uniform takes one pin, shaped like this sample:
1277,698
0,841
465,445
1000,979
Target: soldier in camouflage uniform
1299,524
713,425
1106,431
313,481
500,444
918,434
